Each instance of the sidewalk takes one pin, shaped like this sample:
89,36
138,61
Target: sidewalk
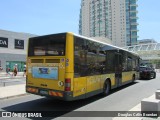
4,75
14,90
135,109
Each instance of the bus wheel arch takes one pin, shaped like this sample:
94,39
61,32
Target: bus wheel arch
106,87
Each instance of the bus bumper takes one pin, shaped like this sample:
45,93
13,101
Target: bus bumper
62,95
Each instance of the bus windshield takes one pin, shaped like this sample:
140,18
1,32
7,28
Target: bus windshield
47,46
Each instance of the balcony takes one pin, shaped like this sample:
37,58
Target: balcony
133,11
133,5
134,23
134,36
133,17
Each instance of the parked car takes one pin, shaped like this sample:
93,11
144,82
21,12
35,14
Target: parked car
147,72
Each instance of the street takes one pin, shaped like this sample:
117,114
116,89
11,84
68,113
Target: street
120,99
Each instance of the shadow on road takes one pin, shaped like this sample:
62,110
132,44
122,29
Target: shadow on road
57,108
147,79
123,87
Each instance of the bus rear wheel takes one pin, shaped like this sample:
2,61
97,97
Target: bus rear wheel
106,88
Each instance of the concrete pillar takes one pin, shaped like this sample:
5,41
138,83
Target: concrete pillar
150,104
158,94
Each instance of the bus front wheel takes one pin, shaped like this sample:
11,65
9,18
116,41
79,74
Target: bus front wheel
106,88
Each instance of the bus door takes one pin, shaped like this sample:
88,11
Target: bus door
118,69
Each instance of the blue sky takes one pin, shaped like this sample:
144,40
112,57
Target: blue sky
53,16
149,19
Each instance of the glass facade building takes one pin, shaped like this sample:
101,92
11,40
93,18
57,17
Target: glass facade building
113,19
131,22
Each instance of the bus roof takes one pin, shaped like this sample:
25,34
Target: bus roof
88,38
105,43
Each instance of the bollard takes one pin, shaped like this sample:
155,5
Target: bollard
158,94
150,104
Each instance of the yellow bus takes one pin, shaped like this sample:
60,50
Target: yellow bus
67,66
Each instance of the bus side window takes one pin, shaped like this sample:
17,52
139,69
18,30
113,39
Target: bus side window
80,68
124,61
129,60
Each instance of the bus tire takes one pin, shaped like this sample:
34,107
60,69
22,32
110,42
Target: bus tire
106,88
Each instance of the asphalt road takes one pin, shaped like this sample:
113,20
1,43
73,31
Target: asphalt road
121,99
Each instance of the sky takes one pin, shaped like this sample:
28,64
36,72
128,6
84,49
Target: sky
43,17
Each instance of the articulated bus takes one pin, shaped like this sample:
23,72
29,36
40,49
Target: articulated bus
67,66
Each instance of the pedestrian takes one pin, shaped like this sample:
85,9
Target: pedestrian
15,70
1,68
24,69
8,70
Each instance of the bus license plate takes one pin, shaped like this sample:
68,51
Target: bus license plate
44,92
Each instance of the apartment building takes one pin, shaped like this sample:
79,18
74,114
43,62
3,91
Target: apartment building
113,19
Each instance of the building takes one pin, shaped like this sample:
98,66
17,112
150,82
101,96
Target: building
146,41
84,28
149,53
13,49
113,19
